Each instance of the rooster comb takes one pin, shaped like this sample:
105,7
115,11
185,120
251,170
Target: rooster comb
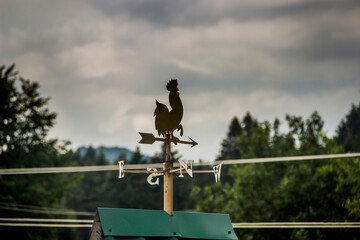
172,85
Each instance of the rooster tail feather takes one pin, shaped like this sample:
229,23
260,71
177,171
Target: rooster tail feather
157,104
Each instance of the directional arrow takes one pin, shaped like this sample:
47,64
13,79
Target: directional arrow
149,138
192,143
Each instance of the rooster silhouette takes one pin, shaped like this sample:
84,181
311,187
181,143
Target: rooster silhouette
167,121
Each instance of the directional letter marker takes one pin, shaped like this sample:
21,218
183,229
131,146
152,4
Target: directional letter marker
121,169
166,122
152,176
183,165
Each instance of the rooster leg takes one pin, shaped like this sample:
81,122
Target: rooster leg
174,139
180,128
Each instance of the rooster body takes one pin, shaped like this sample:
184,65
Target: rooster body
167,121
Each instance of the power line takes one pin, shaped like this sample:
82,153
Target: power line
297,225
45,225
30,206
16,171
48,212
46,220
44,210
40,222
287,159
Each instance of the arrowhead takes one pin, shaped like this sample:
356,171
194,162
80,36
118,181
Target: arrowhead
147,138
193,143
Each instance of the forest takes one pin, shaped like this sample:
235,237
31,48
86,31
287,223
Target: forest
302,191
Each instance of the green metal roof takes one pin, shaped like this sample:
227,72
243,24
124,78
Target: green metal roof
117,223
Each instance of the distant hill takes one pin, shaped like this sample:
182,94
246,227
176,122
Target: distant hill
111,153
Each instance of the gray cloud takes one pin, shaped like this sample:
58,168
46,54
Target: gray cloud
325,47
203,13
105,62
308,8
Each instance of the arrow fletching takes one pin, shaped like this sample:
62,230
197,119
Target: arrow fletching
147,138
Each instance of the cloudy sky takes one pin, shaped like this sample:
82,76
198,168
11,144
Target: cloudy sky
104,62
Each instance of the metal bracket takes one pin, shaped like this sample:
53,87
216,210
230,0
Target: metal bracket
184,166
154,173
152,176
217,172
121,169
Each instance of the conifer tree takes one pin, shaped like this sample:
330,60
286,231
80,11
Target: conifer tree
348,132
228,147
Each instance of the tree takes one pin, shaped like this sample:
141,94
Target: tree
309,191
249,124
348,136
91,191
24,119
348,131
89,157
121,157
88,195
137,157
229,150
160,157
24,125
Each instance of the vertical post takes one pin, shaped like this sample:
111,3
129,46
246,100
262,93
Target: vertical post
168,179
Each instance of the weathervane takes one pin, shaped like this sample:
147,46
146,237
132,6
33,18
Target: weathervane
166,122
